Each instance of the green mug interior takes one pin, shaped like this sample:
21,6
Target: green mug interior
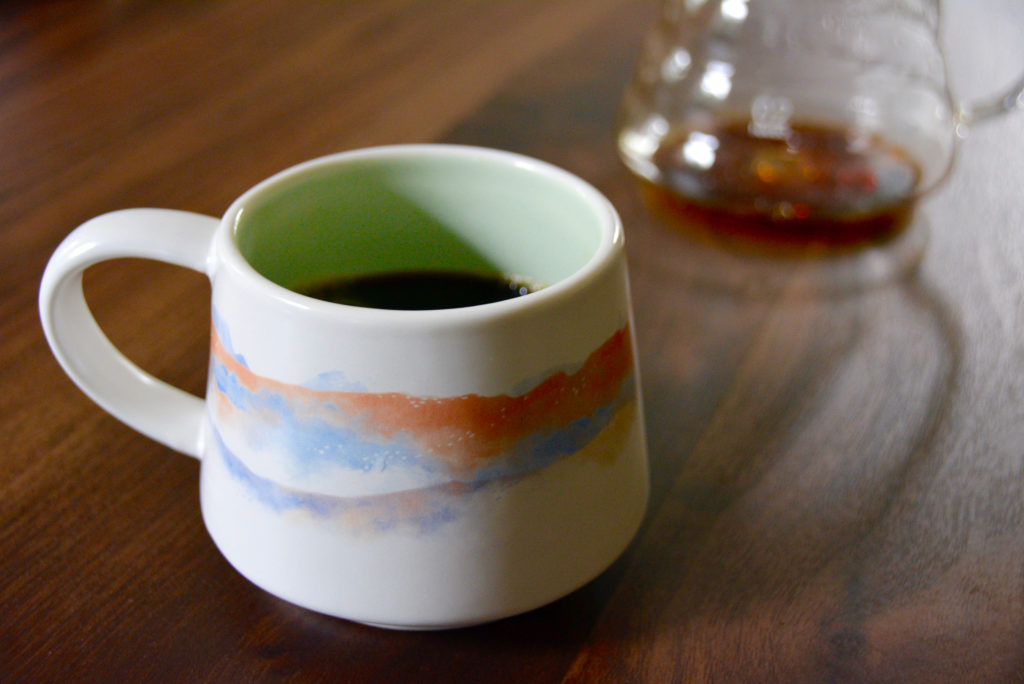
416,212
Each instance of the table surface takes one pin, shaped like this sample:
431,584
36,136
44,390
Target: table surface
837,456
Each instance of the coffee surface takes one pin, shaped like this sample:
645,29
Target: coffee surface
419,290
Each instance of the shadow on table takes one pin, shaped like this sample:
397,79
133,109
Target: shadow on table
795,412
536,646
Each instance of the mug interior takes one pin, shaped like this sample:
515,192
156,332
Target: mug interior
416,210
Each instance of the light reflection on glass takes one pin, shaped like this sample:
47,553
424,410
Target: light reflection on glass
769,116
734,10
641,143
676,65
699,150
717,79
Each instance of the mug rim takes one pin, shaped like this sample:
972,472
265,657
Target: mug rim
611,239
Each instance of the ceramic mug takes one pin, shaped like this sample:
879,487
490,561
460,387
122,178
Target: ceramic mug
412,469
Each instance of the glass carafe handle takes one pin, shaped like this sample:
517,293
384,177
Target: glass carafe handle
971,113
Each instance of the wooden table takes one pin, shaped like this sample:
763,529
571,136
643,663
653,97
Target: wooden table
837,472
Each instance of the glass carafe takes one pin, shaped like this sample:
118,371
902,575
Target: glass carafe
796,120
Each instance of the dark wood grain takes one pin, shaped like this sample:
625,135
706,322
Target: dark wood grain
837,460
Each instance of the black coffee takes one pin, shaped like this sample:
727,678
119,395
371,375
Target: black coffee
418,290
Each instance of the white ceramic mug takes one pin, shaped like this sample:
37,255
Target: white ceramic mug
414,469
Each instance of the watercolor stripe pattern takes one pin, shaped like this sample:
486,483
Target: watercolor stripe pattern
450,445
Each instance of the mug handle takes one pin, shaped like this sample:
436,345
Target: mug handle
158,410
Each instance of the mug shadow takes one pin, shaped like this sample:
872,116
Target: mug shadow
526,647
793,408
